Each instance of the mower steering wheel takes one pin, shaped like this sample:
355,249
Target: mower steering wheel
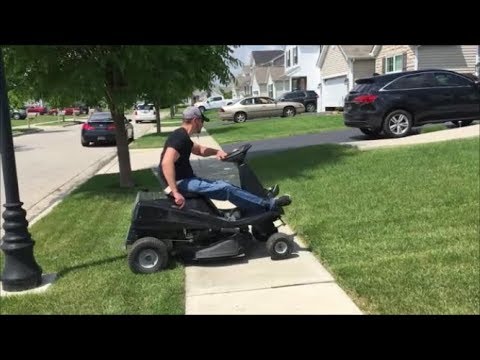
236,152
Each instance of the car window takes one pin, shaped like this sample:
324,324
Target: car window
101,117
289,96
218,98
262,100
446,79
145,107
415,81
248,101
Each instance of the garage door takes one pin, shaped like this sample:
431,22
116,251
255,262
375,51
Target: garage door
334,92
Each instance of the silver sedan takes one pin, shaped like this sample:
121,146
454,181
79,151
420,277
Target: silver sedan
259,107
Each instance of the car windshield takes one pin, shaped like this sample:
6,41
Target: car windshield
145,107
101,117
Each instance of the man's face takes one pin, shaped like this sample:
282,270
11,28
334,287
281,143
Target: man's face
198,125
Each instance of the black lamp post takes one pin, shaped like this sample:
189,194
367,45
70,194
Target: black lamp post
21,271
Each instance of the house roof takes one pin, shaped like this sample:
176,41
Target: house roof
261,75
264,56
357,51
349,52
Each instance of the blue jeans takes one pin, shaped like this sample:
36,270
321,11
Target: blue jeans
222,190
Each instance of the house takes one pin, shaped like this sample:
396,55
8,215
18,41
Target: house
253,78
300,66
340,66
277,82
259,81
394,58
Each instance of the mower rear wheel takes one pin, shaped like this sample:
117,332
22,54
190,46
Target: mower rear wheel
148,255
279,246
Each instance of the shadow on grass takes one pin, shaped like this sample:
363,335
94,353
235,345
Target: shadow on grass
64,272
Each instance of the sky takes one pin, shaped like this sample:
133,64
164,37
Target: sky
243,52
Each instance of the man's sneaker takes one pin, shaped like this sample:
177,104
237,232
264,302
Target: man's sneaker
273,191
282,201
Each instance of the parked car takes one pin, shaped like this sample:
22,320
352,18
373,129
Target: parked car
100,128
393,103
257,107
307,97
42,110
64,111
18,114
145,112
213,102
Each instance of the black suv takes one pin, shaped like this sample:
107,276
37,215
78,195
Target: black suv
393,103
307,97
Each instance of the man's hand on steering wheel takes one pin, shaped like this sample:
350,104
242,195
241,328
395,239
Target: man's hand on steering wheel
221,155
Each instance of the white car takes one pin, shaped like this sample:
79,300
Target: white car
213,102
144,112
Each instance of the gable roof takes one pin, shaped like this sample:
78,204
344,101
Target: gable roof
357,51
264,56
349,52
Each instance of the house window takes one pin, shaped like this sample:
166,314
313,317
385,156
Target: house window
394,64
295,55
288,58
270,90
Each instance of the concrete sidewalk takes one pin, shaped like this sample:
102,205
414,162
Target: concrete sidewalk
434,136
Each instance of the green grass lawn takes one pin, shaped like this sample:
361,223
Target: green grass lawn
34,120
398,228
82,240
150,141
229,132
62,123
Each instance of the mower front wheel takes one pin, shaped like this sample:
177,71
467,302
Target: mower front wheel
279,246
148,255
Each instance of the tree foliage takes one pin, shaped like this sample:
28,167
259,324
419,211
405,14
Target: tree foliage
117,74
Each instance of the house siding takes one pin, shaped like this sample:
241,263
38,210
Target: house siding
460,58
263,90
363,68
391,50
335,62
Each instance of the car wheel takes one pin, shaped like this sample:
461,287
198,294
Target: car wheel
148,255
371,132
16,116
240,117
289,111
85,143
397,124
310,107
464,123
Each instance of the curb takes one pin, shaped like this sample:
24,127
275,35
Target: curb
31,131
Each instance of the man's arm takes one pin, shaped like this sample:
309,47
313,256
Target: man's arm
206,151
168,168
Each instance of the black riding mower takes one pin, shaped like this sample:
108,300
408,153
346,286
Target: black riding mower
160,229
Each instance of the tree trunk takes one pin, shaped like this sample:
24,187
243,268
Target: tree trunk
126,179
172,111
156,103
